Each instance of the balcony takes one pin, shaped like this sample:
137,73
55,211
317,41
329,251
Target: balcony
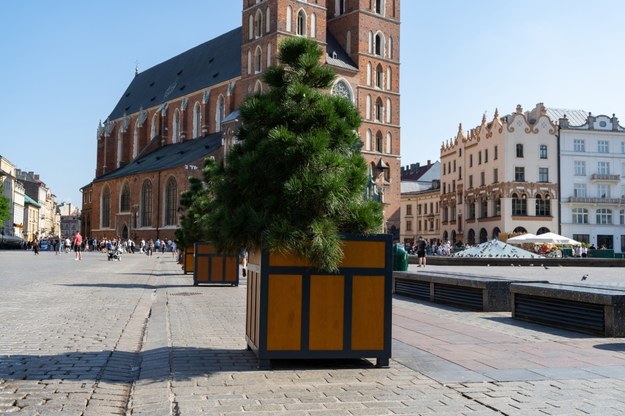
588,200
604,177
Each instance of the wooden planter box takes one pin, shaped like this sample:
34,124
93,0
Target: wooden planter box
188,260
294,312
211,267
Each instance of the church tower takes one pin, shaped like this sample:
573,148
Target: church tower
361,42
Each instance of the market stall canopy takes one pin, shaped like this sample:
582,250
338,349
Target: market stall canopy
553,238
521,239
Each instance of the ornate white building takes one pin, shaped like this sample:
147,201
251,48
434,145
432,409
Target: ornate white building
592,167
501,176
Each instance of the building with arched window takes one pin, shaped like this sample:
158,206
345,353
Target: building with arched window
501,177
175,114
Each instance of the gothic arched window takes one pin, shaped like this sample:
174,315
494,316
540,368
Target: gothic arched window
105,208
124,198
146,204
171,202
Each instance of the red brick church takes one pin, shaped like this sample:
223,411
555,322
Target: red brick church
175,114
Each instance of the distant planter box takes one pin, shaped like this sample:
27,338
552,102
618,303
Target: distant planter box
188,260
294,312
211,267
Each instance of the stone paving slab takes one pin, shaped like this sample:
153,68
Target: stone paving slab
136,337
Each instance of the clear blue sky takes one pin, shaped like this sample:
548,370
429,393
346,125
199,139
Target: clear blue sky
65,64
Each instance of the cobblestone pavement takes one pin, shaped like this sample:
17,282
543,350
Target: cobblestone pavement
96,337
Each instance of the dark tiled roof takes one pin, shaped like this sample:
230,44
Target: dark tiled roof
210,63
168,157
336,55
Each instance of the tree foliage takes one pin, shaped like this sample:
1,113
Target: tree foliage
296,179
5,209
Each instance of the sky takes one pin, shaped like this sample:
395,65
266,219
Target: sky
65,64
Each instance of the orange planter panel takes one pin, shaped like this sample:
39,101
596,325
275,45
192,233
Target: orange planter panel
284,314
368,313
327,309
363,254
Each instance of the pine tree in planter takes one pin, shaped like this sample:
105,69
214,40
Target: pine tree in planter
295,185
297,178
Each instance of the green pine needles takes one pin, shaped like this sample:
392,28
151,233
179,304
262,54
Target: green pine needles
296,180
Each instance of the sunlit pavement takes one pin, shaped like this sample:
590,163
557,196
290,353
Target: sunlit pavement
99,337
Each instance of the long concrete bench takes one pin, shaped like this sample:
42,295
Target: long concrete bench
597,310
488,294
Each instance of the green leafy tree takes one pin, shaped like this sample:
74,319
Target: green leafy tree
297,178
5,209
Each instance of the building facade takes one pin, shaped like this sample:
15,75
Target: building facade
420,202
174,115
500,176
13,190
592,168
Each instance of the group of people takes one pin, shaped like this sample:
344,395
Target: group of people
78,244
59,244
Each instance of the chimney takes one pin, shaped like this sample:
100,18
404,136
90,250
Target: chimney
429,162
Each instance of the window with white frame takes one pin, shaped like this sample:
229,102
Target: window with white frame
580,216
379,77
621,217
519,150
604,216
519,174
543,205
580,167
519,204
603,168
543,151
579,190
603,190
543,174
379,45
301,23
603,146
579,145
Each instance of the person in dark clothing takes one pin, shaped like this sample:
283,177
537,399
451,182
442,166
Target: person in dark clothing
421,246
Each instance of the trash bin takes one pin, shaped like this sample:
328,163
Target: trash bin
400,258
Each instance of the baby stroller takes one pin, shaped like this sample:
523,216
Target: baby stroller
115,254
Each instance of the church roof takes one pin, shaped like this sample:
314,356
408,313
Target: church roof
205,65
210,63
169,156
336,55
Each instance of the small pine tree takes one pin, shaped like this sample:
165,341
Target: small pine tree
297,178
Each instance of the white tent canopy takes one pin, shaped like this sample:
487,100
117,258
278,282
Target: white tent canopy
548,238
520,239
553,238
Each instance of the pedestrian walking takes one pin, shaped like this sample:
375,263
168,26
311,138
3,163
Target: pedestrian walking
78,246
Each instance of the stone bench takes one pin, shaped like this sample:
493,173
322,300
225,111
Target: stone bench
488,294
597,310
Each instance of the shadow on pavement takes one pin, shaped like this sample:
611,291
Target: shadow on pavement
160,364
127,285
616,346
538,327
